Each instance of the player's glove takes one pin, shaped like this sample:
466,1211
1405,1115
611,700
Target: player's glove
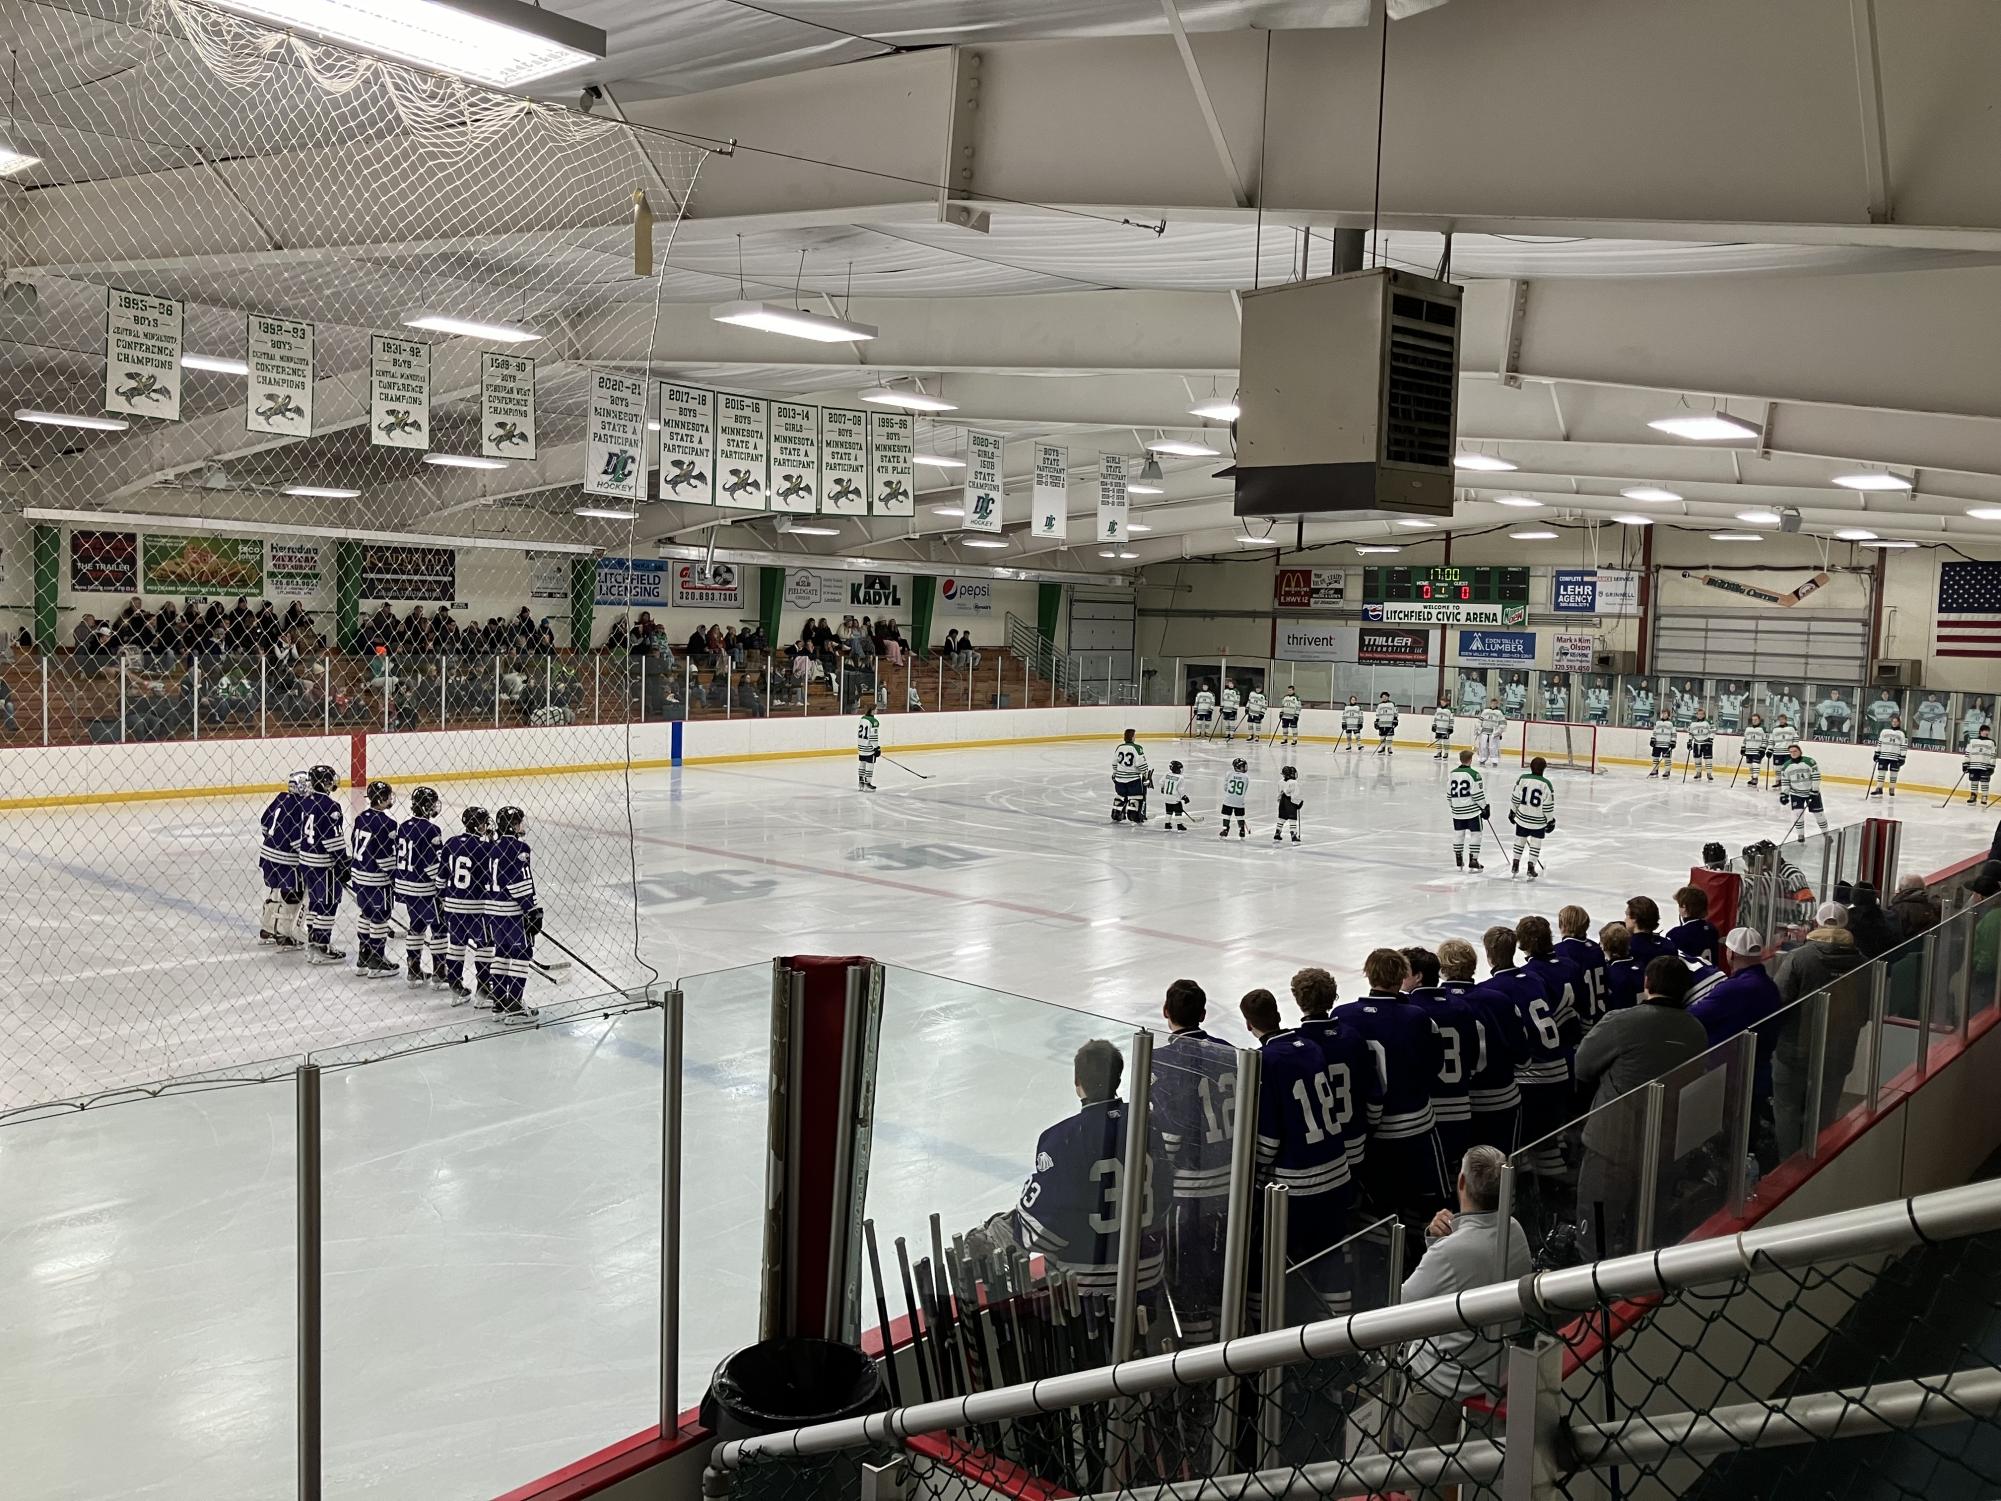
1485,811
342,869
532,921
1550,827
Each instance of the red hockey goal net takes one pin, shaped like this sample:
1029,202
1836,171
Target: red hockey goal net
1562,745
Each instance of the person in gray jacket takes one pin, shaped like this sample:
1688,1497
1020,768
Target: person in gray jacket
1828,953
1625,1050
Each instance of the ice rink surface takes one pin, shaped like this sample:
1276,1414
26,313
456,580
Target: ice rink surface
492,1209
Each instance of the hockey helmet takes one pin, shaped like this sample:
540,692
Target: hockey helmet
476,820
424,801
1712,854
1290,773
299,781
324,778
1240,764
1758,849
1175,767
509,820
380,794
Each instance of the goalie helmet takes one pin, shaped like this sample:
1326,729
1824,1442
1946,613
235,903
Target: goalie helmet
477,821
324,778
1240,764
1713,855
424,802
380,794
509,821
299,781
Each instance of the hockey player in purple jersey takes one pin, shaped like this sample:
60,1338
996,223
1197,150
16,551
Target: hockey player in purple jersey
1299,1144
1543,1075
1356,1089
322,862
1643,921
1491,1091
1625,976
278,859
1460,1044
513,916
1405,1173
373,861
419,852
1695,936
462,873
1574,924
1194,1114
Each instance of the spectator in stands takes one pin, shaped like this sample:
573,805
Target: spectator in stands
1744,1002
445,632
7,704
859,647
749,697
1695,936
296,619
969,659
1874,932
381,627
614,639
241,638
1643,921
1985,881
85,632
949,648
1828,953
264,629
1914,908
1462,1251
521,631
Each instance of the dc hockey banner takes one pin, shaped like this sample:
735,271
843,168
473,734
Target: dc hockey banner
892,463
687,444
142,354
279,387
1114,505
507,407
983,482
795,457
1051,497
615,436
743,451
399,393
843,462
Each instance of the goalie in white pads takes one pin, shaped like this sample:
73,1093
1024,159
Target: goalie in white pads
278,860
1236,795
1702,746
1254,713
1130,776
1174,800
1979,766
1202,718
1291,802
1442,725
1757,740
1891,748
1288,717
1493,725
1351,725
1662,742
1532,806
1232,702
1799,785
1466,799
1386,726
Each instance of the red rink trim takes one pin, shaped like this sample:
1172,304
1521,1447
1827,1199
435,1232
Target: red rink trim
598,1472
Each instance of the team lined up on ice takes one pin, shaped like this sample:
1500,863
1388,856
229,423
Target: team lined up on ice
470,895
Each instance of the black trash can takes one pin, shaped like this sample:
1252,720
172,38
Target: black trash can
790,1383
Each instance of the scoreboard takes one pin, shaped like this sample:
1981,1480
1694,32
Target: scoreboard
1445,584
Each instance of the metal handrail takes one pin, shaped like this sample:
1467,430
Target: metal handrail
1039,652
1892,1227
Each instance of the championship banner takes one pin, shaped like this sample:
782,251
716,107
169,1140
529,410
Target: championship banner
142,354
507,406
294,570
615,436
795,457
1051,495
892,458
983,482
279,389
843,462
399,393
1114,505
201,565
687,444
743,451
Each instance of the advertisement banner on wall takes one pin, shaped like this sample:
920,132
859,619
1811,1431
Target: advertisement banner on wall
687,444
817,589
104,562
615,436
965,597
1309,588
201,565
638,582
983,482
1051,495
843,462
1304,641
1446,612
1314,641
278,395
1517,647
719,588
795,457
743,451
399,393
292,570
892,461
1377,644
1573,653
1594,591
548,575
142,354
392,571
507,406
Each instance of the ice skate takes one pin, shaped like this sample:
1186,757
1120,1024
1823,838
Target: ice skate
323,953
1473,862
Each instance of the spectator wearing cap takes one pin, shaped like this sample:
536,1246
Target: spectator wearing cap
1868,924
1744,1002
1828,953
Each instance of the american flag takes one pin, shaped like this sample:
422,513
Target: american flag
1969,610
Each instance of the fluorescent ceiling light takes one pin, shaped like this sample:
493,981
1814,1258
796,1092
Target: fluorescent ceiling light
938,460
1250,541
1705,427
471,328
948,510
1984,513
1736,537
1759,518
1375,547
1108,554
1872,479
463,461
323,492
605,513
220,364
1486,463
1141,526
504,43
652,425
71,419
1886,542
1132,489
1521,501
1855,534
137,521
1652,494
1533,536
910,401
12,161
1634,520
1417,523
982,542
1217,410
1181,448
795,530
775,318
1128,555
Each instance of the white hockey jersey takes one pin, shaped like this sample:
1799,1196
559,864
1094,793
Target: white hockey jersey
1532,804
1756,738
1351,718
868,735
1255,704
1801,778
1129,763
1172,788
1205,703
1892,746
1232,700
1832,714
1664,734
1236,790
1288,708
1492,721
1465,793
1701,732
1386,718
1442,723
1783,734
1980,754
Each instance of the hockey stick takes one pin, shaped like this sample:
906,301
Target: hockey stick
546,971
1955,787
564,948
1737,768
1686,764
901,767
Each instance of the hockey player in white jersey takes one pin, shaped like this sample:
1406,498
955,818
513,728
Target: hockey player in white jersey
1203,716
1291,803
1493,725
1979,766
1232,701
1288,717
1174,800
868,745
1701,745
1892,745
1466,800
1784,737
1661,742
1351,725
1757,740
1833,716
1598,703
1254,713
1130,775
1236,796
1532,806
1799,785
1442,724
1386,726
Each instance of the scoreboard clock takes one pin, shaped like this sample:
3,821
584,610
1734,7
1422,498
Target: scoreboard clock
1445,584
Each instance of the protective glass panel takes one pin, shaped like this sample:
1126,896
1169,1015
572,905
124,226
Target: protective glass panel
1932,721
1832,711
1703,1132
1553,698
1577,1189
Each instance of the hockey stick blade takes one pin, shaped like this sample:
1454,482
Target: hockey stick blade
564,948
901,767
1955,787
